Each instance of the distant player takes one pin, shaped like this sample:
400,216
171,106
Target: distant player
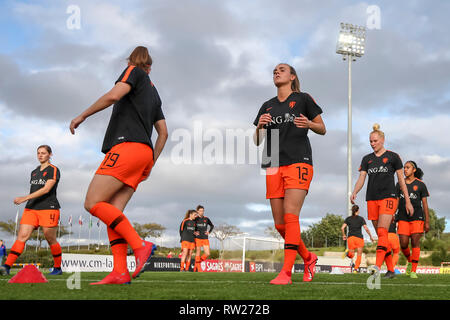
394,241
283,122
355,239
201,236
381,165
413,226
187,239
129,158
41,210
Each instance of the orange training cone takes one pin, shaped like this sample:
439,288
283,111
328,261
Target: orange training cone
29,274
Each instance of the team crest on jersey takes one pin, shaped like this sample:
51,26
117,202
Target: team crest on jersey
45,173
415,188
385,160
291,104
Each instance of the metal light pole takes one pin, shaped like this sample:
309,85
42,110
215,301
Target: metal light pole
351,45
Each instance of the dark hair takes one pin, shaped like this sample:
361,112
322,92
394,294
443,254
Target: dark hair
46,147
419,173
200,207
355,209
188,213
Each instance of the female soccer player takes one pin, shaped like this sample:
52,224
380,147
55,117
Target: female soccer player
41,210
201,236
381,166
187,239
355,239
284,122
130,156
413,226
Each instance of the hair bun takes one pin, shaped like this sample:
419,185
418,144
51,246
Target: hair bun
376,127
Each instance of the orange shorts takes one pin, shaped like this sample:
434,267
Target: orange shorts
130,162
355,242
383,206
187,245
40,218
294,176
394,241
408,228
201,242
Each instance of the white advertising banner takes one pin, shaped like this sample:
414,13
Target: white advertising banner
91,263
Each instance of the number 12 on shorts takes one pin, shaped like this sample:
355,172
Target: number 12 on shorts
303,174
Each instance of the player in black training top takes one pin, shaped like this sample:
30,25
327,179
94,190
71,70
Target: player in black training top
201,237
413,226
187,239
354,237
381,166
130,156
283,122
41,210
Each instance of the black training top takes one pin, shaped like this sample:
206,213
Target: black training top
202,224
134,115
294,145
416,190
187,229
381,171
38,180
355,223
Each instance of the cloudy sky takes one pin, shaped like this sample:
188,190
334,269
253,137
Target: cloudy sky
212,67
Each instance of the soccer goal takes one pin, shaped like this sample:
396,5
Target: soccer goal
267,250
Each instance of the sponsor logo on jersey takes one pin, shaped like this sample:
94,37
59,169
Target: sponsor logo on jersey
38,181
280,119
380,169
268,108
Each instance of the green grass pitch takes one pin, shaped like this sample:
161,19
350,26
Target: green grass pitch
229,286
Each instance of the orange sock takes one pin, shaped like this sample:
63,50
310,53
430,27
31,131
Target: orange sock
407,253
15,252
292,240
119,249
302,250
389,260
188,264
415,258
197,263
395,257
182,264
358,261
382,246
116,220
57,254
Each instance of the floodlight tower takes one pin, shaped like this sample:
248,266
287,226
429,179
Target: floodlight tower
351,45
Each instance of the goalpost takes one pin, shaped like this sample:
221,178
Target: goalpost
264,244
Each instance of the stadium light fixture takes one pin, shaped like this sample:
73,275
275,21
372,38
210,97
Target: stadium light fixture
351,45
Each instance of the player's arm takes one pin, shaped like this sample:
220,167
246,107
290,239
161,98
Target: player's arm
358,185
401,182
344,236
161,129
112,96
316,125
38,193
211,226
260,132
427,214
368,232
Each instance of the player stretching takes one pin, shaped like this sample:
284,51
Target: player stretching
355,239
284,122
201,237
130,156
413,226
381,165
187,239
41,210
